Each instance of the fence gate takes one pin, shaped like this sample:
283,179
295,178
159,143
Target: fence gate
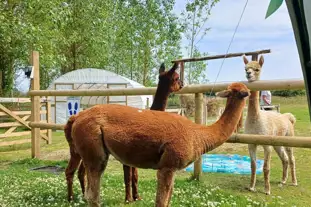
14,123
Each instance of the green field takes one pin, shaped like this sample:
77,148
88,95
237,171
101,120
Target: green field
19,186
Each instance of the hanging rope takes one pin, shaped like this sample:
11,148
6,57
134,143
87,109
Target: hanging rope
223,60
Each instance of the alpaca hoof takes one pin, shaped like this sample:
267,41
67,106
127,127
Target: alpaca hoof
138,198
267,193
251,189
295,184
128,201
70,198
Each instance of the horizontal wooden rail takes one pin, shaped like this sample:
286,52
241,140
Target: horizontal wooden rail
9,143
303,142
46,125
21,113
19,134
229,55
196,88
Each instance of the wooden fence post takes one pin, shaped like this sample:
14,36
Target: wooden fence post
198,120
35,105
147,104
48,119
182,71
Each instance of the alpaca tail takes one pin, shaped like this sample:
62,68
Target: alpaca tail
67,129
291,117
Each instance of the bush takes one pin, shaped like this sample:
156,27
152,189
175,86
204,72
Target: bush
289,93
213,106
187,101
173,101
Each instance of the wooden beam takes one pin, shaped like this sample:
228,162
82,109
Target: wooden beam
9,143
19,100
47,125
21,113
230,55
195,88
15,127
182,71
35,105
48,120
18,134
295,141
198,120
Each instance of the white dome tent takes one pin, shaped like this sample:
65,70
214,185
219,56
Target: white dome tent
90,78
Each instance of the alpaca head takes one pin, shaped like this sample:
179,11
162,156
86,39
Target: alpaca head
170,79
253,68
234,91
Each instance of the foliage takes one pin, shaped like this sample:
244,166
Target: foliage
288,93
130,38
194,19
273,6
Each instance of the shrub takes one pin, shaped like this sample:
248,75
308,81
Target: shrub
187,102
288,93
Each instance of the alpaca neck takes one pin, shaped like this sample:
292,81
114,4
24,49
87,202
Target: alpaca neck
160,99
253,104
208,138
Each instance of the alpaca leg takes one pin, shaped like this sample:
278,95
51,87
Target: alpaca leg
93,185
292,163
127,171
165,187
266,168
283,156
252,152
70,170
81,176
135,184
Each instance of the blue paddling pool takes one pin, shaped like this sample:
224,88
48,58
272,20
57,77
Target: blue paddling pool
222,163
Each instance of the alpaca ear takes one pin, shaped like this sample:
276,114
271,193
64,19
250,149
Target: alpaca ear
243,94
224,93
162,68
175,66
245,59
261,60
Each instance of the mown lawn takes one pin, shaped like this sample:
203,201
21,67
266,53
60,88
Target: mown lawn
19,186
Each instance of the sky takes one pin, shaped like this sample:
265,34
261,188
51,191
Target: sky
254,33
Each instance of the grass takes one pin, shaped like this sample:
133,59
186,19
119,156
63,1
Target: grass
19,186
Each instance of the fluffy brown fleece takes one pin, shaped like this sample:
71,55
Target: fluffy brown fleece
149,139
168,82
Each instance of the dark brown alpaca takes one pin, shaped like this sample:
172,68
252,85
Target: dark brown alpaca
168,82
154,139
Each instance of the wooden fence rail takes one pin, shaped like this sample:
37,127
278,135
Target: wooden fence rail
302,142
196,88
12,120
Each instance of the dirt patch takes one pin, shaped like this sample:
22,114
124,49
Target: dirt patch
56,155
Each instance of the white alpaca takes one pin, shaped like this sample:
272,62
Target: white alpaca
267,123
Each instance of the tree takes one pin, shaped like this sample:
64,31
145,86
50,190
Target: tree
195,17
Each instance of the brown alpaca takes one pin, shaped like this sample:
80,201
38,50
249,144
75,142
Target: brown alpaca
149,139
168,82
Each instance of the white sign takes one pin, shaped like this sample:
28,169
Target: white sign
73,105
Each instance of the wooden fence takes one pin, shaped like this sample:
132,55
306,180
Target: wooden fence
13,120
35,94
